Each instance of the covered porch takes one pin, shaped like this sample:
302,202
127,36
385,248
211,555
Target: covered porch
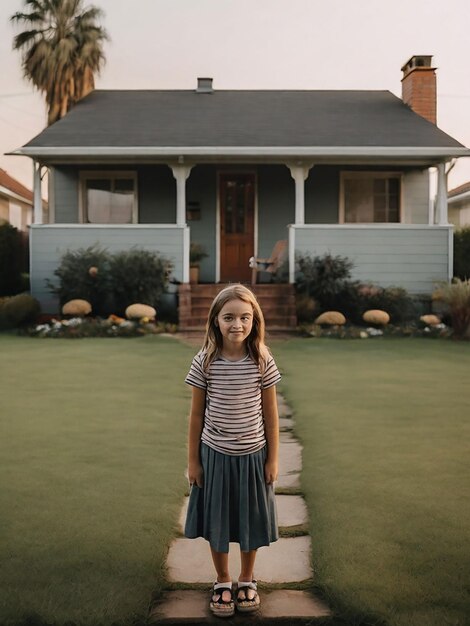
236,209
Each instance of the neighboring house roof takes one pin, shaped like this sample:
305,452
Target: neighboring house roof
242,122
13,188
459,197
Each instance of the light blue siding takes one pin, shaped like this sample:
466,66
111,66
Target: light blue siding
49,242
65,195
276,206
413,257
201,188
415,196
157,194
322,195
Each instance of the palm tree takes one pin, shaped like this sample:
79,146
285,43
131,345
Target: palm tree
62,49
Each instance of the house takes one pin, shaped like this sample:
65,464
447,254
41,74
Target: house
458,200
345,172
16,202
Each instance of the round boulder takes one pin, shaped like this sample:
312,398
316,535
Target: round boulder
138,311
80,308
376,316
331,318
430,320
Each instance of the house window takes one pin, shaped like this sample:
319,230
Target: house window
109,197
370,197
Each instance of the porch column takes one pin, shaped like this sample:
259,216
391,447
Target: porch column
37,196
181,174
299,173
441,216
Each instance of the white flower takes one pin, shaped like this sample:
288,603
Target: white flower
427,329
374,332
363,334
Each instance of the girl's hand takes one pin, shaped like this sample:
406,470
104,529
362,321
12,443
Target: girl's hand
195,474
270,471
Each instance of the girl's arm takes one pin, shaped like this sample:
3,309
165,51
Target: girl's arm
196,421
271,427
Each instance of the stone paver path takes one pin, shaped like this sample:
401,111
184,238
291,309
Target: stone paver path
287,561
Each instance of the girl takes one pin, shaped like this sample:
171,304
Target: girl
233,444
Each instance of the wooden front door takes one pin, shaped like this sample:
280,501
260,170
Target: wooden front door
237,226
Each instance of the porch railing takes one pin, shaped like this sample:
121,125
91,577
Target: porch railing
413,256
48,242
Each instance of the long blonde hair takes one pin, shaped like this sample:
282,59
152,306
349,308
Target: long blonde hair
213,340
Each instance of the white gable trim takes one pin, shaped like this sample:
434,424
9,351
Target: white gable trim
245,151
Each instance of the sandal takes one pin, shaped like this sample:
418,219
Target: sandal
218,606
247,597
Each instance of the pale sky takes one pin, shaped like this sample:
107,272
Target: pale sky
259,44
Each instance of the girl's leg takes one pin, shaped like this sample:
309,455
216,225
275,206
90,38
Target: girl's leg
220,560
248,565
221,600
247,594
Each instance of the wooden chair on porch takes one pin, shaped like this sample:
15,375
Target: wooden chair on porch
271,264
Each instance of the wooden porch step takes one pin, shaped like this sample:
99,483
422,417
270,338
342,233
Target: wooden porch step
276,300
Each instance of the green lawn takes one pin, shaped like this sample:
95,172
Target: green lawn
385,427
93,436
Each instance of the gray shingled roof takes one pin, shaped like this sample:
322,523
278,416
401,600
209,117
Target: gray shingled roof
242,118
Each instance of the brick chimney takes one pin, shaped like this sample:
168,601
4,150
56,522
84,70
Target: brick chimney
418,86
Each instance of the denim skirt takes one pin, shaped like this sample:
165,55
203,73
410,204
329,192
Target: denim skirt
235,504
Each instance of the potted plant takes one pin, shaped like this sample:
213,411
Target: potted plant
197,252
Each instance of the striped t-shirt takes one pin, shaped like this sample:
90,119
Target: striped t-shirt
233,419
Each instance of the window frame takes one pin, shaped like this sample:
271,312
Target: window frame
369,174
112,175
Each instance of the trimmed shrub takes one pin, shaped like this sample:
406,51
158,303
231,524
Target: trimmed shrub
331,318
138,276
376,317
462,253
110,282
83,274
305,307
80,308
327,279
140,311
396,301
18,310
11,260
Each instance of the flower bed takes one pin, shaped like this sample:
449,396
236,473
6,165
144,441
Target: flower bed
358,332
113,326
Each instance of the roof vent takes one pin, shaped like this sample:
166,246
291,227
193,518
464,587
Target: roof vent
204,85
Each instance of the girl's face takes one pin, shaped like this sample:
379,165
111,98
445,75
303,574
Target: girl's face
235,321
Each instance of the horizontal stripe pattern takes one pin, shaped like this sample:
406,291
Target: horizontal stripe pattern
233,419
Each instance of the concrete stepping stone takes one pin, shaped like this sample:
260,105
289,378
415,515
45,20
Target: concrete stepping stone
290,464
285,603
291,511
190,606
283,408
286,436
284,561
285,424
